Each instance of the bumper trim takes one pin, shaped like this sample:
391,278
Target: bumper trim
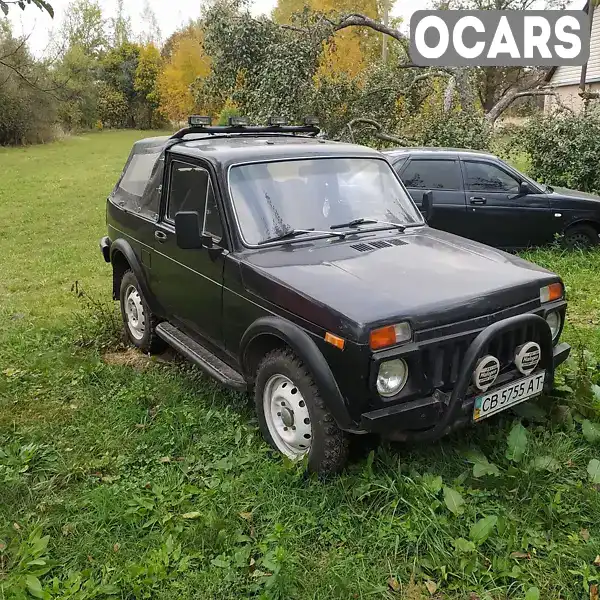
105,248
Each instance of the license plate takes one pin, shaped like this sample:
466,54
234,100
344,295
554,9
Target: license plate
509,395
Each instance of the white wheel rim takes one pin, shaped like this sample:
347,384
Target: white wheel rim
287,416
134,313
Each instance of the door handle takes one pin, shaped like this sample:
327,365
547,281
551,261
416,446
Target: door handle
160,236
477,200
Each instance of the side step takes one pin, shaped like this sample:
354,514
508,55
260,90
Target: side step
202,357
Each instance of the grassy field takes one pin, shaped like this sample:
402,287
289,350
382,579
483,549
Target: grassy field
122,476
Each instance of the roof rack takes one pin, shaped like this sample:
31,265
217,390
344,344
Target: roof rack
237,125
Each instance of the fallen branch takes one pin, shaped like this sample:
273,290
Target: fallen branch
378,133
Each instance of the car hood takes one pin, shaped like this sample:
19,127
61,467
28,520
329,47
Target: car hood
567,193
430,278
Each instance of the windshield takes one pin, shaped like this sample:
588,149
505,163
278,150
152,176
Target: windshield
273,198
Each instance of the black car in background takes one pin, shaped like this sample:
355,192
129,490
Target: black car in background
479,196
300,270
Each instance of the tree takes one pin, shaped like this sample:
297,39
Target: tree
151,32
185,62
120,26
145,83
84,26
22,4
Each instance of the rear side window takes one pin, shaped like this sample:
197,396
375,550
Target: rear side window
138,173
432,175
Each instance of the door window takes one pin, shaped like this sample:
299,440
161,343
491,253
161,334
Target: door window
187,189
191,189
432,175
486,177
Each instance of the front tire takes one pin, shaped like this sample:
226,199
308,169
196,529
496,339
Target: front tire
293,417
581,236
140,323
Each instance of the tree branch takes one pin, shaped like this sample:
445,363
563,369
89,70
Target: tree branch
378,133
358,20
511,96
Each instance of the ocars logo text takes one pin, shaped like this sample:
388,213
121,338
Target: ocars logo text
499,37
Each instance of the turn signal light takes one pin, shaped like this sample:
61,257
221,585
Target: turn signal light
551,292
335,340
390,336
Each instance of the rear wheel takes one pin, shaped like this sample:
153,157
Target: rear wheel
293,417
139,321
581,236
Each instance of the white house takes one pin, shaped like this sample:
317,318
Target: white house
566,79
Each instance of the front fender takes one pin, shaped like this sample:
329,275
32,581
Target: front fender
306,349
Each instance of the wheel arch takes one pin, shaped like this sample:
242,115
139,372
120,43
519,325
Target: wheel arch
123,259
269,333
583,221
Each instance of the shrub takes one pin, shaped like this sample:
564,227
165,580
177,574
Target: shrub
564,149
453,130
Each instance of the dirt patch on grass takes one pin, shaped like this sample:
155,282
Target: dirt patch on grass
131,357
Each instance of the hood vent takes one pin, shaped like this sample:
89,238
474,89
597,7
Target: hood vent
366,247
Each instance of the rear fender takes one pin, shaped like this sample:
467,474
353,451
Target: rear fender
121,250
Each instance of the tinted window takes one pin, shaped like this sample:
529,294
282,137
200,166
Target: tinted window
481,176
187,190
432,175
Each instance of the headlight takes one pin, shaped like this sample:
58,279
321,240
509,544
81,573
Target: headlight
551,292
554,322
392,377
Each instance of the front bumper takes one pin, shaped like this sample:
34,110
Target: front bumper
434,416
105,248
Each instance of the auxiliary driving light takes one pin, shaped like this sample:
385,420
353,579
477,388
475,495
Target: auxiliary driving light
392,377
277,121
199,121
238,121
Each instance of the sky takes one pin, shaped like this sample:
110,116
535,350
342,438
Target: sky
171,14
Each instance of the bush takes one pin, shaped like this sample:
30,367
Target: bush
564,149
453,130
27,113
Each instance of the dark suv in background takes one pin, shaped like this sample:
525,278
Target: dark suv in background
301,271
479,196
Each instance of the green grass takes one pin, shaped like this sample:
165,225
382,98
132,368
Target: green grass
146,480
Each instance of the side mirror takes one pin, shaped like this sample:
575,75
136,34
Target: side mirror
427,206
187,230
524,189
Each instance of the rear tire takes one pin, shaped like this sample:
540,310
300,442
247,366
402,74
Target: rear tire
581,236
139,321
293,417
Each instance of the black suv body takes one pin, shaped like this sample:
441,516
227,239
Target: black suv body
300,269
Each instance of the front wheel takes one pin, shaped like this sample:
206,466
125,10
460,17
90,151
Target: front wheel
293,417
581,236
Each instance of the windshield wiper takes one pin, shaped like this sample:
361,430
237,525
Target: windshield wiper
292,233
357,222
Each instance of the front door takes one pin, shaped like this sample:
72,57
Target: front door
189,283
497,214
444,179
